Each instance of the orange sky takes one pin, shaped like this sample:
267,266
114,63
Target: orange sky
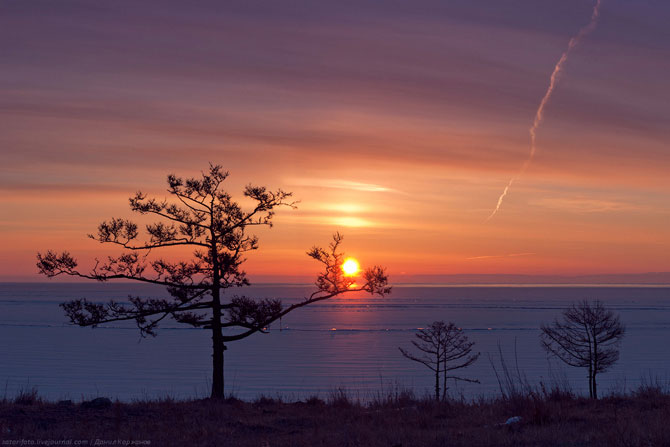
398,128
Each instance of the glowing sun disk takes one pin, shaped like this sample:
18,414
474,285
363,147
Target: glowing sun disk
350,267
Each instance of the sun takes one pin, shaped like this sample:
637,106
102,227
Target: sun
350,267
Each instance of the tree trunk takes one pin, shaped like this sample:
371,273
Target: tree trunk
437,381
217,341
444,381
596,365
590,382
217,348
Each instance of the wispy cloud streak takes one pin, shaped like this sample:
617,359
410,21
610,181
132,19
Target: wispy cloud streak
340,184
511,255
539,114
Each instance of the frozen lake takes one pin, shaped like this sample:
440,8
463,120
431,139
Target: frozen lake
349,342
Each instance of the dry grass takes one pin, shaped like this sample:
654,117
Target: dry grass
550,418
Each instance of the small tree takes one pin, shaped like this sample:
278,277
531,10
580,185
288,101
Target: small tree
587,337
201,215
445,349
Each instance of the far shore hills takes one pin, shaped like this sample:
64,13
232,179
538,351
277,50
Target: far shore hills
613,279
652,278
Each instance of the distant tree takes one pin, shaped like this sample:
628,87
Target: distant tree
445,348
587,337
200,215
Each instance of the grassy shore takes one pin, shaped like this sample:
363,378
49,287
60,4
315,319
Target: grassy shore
552,418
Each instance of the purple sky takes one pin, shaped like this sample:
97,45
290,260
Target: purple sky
430,101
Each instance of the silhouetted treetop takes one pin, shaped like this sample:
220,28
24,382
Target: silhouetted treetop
204,216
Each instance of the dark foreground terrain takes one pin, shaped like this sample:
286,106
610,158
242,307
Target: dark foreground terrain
398,419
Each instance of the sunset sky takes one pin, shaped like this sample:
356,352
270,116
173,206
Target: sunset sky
396,123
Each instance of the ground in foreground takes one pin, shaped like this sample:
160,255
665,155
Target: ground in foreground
397,420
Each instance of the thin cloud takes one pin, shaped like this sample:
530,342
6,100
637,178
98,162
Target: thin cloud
340,184
510,255
585,205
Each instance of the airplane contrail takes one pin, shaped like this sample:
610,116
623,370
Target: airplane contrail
539,114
